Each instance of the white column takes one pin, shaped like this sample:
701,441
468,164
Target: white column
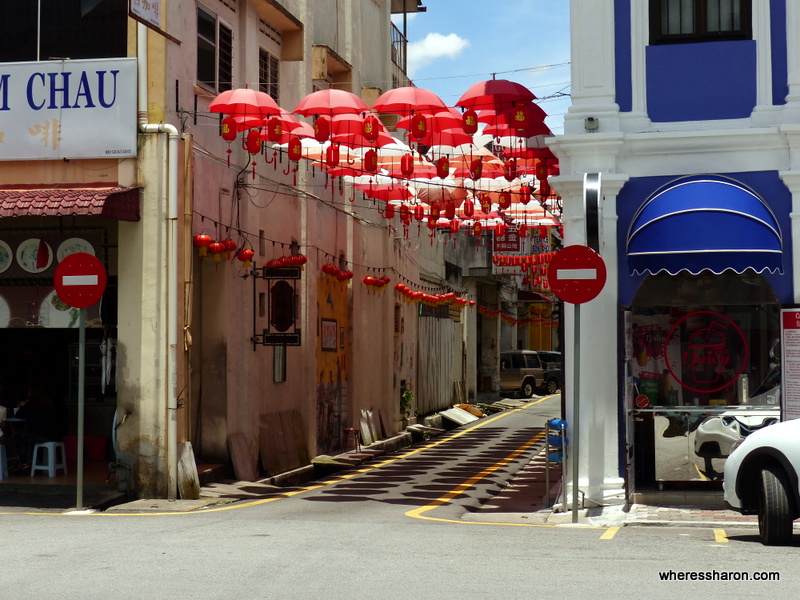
793,53
593,66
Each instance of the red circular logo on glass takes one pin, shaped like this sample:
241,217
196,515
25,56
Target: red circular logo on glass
713,351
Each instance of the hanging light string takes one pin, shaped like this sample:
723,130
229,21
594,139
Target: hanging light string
327,256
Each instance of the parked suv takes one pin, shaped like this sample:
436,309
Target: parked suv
761,477
553,374
522,371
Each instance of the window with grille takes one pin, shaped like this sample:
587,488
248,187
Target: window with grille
268,74
682,21
67,29
214,52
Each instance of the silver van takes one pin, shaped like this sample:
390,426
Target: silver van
521,371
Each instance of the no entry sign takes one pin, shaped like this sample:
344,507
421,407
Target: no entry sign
576,274
80,280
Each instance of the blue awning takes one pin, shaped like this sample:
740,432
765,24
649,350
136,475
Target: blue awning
703,223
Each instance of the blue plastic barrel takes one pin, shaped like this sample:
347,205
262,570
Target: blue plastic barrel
557,424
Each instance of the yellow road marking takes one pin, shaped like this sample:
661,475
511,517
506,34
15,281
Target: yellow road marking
610,533
720,536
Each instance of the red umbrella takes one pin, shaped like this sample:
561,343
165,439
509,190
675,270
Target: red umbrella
245,102
385,192
447,137
488,94
446,118
408,100
348,130
330,102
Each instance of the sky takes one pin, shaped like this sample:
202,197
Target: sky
457,43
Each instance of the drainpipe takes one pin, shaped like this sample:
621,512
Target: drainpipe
172,260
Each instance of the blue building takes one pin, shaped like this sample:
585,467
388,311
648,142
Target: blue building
689,112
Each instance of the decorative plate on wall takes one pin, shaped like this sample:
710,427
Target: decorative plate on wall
73,246
34,255
6,256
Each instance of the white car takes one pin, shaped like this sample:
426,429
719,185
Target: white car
761,477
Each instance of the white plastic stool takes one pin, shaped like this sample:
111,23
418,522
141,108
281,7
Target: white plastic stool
50,464
3,463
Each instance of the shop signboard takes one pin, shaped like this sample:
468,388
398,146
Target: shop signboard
790,363
58,109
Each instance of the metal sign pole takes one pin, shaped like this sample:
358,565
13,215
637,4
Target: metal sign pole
575,410
81,378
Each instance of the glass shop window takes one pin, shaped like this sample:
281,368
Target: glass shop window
682,21
705,340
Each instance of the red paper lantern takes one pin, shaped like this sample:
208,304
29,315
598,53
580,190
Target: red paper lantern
217,249
388,213
274,130
544,189
370,162
525,194
419,213
405,214
442,167
477,229
435,211
469,208
475,168
230,246
253,141
470,122
419,127
454,224
541,170
522,117
450,210
246,256
504,200
332,155
202,242
371,128
229,129
407,165
510,169
322,129
432,222
295,149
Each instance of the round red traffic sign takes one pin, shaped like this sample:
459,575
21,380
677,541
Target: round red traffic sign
642,401
576,274
80,280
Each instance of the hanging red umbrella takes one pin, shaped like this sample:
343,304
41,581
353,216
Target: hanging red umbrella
488,94
408,100
447,137
386,192
446,118
330,102
245,102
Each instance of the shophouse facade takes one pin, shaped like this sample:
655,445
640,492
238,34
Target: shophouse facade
688,111
137,170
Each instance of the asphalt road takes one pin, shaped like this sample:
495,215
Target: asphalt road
401,527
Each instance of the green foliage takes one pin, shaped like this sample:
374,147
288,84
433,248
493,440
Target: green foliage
406,398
